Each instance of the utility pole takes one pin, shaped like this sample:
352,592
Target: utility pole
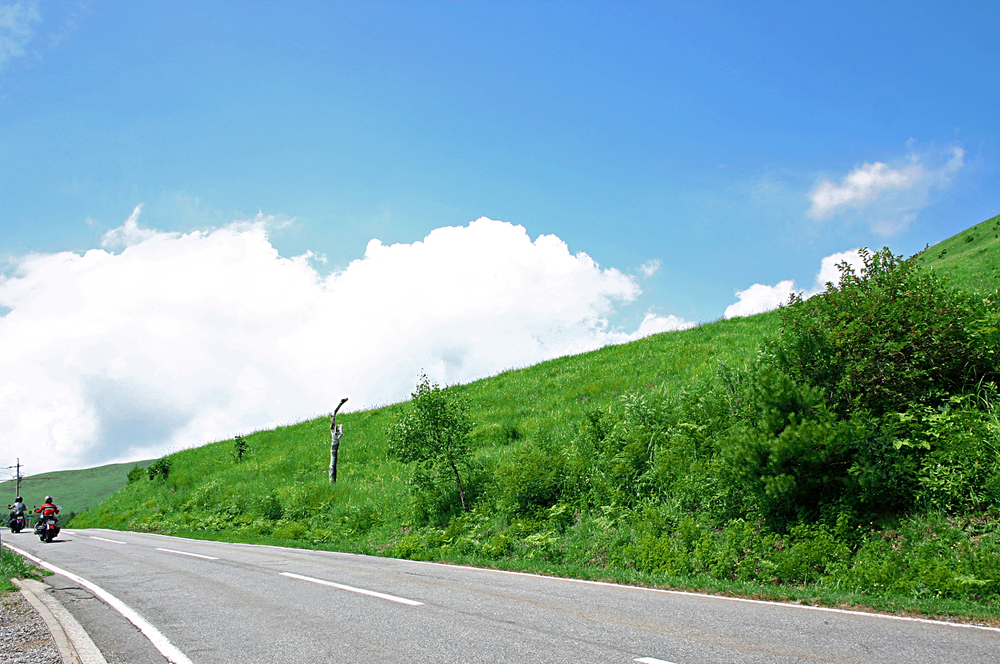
336,431
17,477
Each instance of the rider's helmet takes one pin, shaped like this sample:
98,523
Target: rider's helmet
18,499
48,499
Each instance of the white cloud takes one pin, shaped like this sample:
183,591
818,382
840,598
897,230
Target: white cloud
760,298
182,339
650,267
888,197
652,324
128,233
16,30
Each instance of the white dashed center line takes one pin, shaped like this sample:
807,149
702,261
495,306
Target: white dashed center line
185,553
361,591
105,539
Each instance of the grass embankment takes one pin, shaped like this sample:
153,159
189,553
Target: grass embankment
686,460
74,490
13,566
284,474
971,259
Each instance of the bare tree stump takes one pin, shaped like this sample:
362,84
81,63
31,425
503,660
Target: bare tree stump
336,431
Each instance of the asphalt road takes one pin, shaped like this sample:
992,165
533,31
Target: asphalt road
224,603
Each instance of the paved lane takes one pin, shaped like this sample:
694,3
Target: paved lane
223,603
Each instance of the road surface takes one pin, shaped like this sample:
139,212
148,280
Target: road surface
222,603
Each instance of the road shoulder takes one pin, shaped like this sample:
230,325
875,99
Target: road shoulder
74,644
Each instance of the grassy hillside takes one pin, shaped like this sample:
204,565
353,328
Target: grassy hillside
289,464
787,455
73,490
971,259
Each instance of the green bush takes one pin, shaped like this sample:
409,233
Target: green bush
534,478
159,468
888,337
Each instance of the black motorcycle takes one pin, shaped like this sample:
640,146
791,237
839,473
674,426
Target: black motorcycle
16,523
47,528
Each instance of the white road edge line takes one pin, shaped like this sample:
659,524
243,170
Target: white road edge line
725,598
105,539
688,593
159,641
81,648
361,591
651,660
185,553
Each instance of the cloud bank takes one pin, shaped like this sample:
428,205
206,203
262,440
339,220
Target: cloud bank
888,198
760,298
176,340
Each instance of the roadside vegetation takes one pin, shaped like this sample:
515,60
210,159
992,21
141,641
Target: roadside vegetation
844,450
13,566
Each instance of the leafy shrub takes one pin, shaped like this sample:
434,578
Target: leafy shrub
888,337
534,478
159,468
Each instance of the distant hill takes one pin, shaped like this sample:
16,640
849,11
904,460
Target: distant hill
74,490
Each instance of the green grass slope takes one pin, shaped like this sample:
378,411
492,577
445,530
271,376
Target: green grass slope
74,490
287,466
619,464
971,259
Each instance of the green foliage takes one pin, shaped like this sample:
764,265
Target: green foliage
135,474
888,337
535,478
13,566
434,433
240,449
159,468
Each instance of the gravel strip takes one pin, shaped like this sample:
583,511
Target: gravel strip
24,638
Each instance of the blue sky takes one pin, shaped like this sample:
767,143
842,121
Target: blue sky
691,150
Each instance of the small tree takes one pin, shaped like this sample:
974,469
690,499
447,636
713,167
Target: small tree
434,432
240,449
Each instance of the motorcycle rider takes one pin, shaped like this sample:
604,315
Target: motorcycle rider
17,509
48,510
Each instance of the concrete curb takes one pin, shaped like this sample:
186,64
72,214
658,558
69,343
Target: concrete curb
74,644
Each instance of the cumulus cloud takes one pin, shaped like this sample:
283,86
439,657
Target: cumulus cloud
888,197
760,298
162,341
16,21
